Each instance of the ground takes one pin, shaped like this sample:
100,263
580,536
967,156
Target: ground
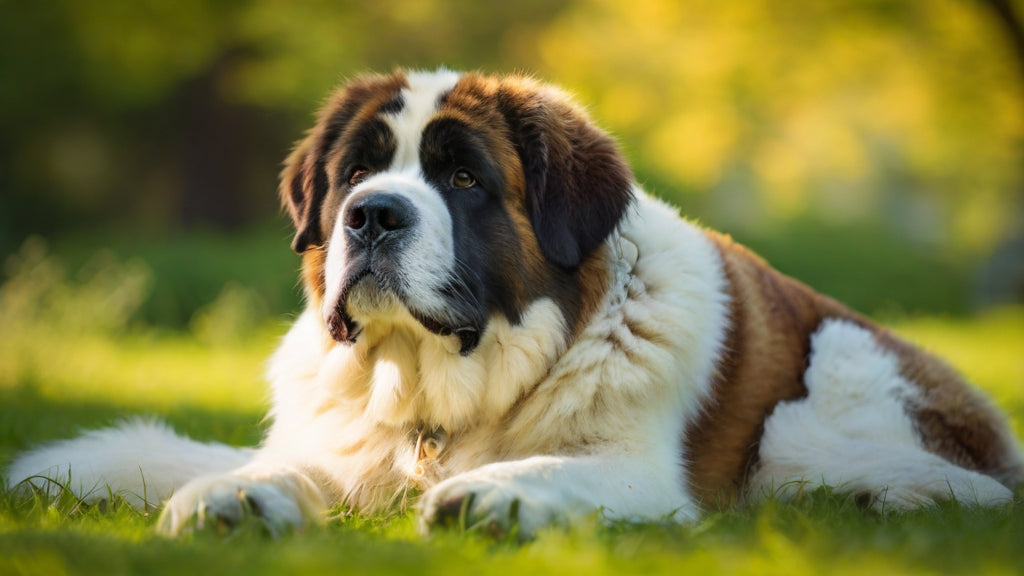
53,383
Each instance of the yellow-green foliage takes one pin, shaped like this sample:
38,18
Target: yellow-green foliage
749,111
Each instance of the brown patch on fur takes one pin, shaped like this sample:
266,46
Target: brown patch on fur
577,182
593,279
305,182
954,420
313,262
473,102
772,318
529,128
306,178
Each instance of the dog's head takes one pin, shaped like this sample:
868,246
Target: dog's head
444,199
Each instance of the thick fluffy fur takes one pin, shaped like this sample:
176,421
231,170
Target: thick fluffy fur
500,318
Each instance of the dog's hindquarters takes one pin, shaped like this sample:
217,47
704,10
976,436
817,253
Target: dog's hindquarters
811,393
885,421
143,461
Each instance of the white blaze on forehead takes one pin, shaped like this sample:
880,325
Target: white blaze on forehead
419,105
426,263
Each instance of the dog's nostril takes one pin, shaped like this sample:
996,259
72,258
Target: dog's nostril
390,220
355,218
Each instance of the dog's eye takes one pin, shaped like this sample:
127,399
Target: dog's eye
463,179
357,175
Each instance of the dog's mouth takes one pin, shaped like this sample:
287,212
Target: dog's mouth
340,324
469,336
372,293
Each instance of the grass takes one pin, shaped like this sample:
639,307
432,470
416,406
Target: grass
57,377
822,534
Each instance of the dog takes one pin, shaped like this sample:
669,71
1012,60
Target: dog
499,320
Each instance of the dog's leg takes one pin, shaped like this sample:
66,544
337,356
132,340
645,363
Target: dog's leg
526,495
854,432
800,452
279,496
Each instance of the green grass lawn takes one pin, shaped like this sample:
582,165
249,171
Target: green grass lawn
54,382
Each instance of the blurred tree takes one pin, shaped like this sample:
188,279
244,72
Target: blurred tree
106,103
1007,14
163,114
753,113
844,109
1002,278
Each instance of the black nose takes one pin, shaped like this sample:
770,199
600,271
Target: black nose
374,216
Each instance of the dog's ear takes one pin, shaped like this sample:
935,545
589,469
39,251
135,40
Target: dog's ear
578,184
303,187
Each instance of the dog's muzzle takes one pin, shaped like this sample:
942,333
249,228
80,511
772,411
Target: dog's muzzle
377,227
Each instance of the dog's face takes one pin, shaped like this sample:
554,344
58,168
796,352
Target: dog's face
443,199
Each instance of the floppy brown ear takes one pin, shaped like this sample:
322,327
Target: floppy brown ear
578,184
303,188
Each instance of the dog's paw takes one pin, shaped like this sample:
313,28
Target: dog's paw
499,507
965,487
280,504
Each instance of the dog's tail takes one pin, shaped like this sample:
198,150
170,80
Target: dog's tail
143,461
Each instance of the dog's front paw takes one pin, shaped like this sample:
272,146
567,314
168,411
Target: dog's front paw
280,504
498,506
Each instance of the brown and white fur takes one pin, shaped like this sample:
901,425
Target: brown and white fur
500,318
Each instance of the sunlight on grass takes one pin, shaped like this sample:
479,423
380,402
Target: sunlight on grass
56,379
72,355
147,372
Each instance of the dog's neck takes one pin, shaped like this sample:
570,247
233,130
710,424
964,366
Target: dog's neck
399,374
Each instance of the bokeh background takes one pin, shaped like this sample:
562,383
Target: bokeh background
873,148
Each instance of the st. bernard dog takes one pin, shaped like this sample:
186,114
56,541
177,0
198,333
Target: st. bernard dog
500,320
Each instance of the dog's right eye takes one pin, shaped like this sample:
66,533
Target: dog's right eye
463,179
357,175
